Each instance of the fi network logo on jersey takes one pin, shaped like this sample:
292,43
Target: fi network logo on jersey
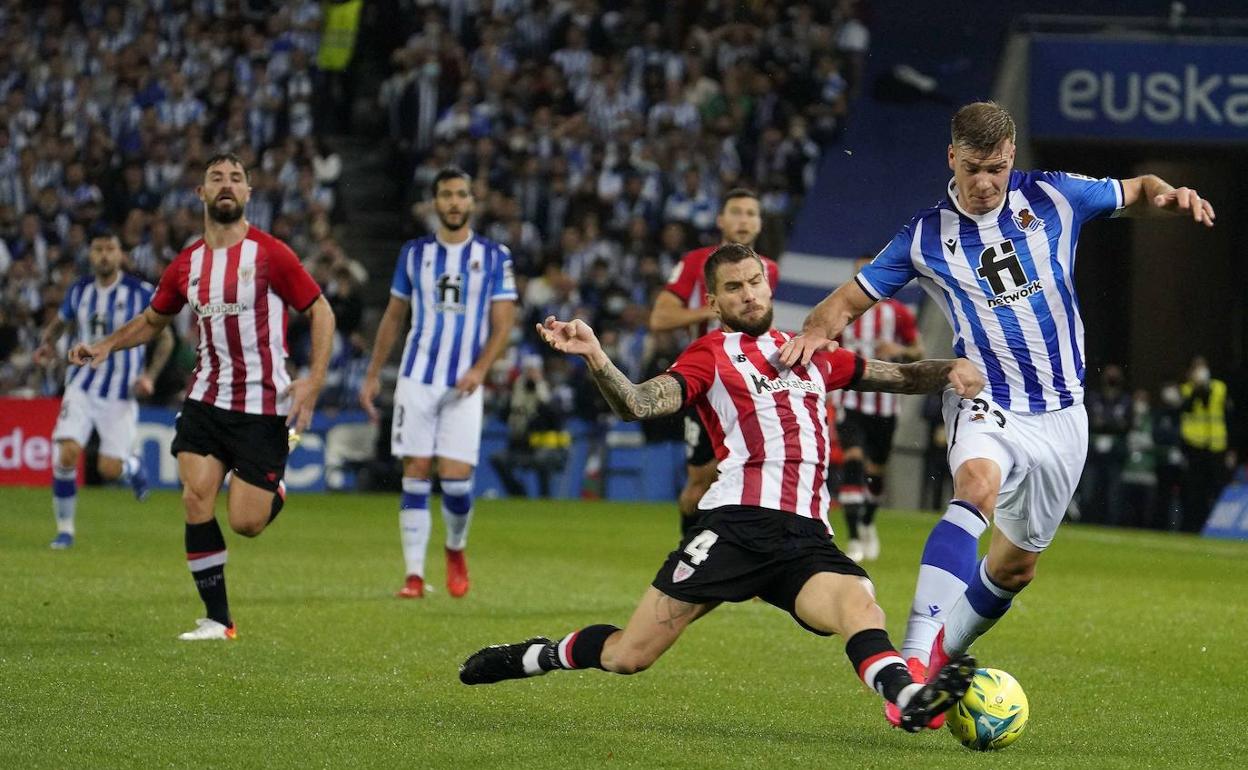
450,293
999,261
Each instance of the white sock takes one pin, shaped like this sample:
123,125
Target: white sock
65,497
457,511
129,467
948,563
415,524
979,609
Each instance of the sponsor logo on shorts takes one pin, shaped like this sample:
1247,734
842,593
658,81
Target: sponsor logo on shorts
682,572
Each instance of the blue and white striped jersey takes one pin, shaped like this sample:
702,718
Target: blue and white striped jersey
93,313
1005,282
450,288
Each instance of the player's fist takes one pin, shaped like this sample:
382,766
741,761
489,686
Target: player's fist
573,337
1185,200
45,354
368,392
965,379
82,354
143,386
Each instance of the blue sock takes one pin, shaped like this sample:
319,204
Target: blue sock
414,525
978,610
948,564
456,511
65,497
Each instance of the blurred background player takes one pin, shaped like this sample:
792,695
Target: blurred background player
997,255
239,281
866,421
764,530
683,305
462,293
100,399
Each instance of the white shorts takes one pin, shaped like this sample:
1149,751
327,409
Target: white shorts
115,419
1041,458
436,421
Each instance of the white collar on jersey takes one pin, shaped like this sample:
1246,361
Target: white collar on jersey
464,242
104,287
985,218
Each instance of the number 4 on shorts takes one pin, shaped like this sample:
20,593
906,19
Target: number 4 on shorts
700,546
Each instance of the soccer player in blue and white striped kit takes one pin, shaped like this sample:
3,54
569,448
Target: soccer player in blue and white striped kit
997,256
100,399
462,295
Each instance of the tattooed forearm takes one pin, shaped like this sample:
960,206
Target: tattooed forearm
656,397
919,377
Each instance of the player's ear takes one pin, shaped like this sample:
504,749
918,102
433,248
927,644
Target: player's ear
951,163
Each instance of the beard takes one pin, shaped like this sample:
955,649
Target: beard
225,216
755,328
453,221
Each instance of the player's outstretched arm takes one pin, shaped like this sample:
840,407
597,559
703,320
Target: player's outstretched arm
670,313
1150,195
139,330
304,391
656,397
825,323
922,377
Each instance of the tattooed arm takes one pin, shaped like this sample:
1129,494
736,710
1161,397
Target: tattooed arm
921,377
657,397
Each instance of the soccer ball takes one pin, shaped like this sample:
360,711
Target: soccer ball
992,714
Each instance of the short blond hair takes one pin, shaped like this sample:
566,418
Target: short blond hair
981,126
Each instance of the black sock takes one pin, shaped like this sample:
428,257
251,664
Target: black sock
205,555
279,500
875,490
853,514
853,494
579,649
878,663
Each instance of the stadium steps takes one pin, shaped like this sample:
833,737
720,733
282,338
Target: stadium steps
375,225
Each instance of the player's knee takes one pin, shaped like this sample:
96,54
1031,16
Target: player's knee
628,662
68,454
1013,576
248,526
978,486
198,501
109,468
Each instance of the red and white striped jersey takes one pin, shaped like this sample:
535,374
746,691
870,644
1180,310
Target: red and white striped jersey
887,320
239,296
769,426
688,280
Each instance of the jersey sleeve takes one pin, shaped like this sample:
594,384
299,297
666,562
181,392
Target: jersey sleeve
773,273
1089,198
69,303
169,297
401,285
840,368
288,278
907,328
503,281
891,269
694,370
682,280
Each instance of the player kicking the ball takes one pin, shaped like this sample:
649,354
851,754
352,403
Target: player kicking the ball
763,529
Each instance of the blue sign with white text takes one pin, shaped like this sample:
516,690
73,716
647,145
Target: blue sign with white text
1176,90
1229,517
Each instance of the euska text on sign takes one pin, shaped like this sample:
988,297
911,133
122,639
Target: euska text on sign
1087,87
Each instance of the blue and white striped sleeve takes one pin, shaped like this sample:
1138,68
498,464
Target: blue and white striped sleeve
1089,198
401,286
891,269
503,281
70,302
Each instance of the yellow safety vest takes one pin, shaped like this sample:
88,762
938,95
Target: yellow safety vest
1203,425
342,20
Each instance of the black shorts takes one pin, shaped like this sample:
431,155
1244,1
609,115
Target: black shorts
872,432
737,552
254,446
698,449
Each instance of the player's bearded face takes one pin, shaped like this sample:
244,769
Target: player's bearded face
981,177
742,298
105,257
225,193
454,203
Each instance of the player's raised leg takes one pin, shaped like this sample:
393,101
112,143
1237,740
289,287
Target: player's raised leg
655,626
845,605
206,554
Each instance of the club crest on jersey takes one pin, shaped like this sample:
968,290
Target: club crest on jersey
1027,221
245,274
682,572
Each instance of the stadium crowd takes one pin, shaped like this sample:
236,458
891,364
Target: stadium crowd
107,114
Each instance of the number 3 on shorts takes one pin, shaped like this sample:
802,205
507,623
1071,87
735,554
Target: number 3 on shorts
700,546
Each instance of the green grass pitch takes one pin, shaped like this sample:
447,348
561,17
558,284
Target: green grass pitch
1130,647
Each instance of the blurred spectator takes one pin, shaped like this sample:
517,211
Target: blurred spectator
1168,442
1109,420
1139,473
1203,427
536,439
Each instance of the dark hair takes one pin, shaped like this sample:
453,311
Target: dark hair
103,232
734,193
450,172
728,254
227,157
981,126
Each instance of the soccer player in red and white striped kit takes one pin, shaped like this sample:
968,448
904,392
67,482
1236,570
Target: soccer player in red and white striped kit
240,283
763,529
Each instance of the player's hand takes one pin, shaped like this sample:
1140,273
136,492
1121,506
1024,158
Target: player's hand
368,393
1186,200
803,347
96,354
887,350
143,386
44,355
471,380
965,379
302,393
573,337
